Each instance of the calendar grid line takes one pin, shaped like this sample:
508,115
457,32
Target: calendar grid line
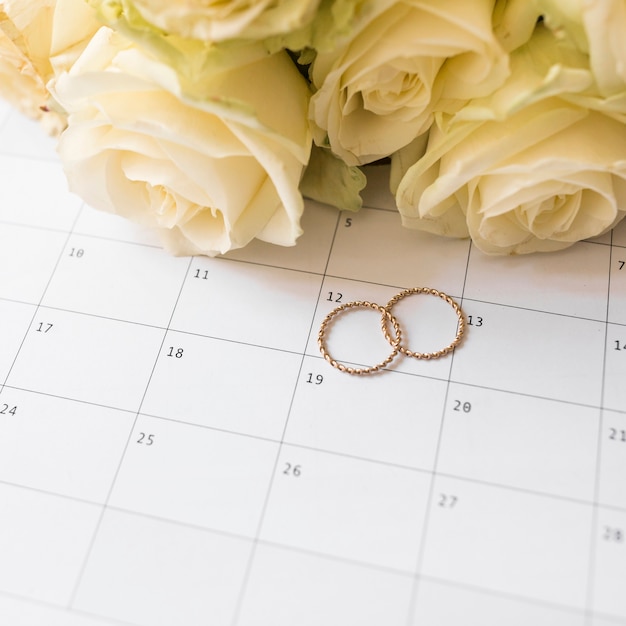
279,349
173,419
454,381
447,582
248,570
376,283
78,233
543,312
36,227
112,620
96,530
336,453
492,303
415,591
407,573
38,306
598,468
224,257
513,392
324,276
47,492
70,399
330,557
61,609
444,582
139,244
373,208
285,268
521,598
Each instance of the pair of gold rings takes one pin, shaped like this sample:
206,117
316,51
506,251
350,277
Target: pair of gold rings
395,340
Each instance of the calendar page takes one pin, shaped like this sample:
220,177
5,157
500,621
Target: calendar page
174,450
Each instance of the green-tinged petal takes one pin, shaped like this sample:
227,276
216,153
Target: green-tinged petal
217,21
329,180
542,68
192,59
334,21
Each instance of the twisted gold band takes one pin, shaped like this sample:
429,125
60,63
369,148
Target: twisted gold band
386,317
433,292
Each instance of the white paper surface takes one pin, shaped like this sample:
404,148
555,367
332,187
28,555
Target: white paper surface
175,451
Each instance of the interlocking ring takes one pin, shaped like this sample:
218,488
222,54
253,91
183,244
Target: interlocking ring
433,292
386,317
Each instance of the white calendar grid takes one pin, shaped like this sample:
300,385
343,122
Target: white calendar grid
174,450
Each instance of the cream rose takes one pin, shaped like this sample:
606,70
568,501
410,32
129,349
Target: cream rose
558,177
527,169
210,174
378,91
37,39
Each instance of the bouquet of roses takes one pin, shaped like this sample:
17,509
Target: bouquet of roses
503,120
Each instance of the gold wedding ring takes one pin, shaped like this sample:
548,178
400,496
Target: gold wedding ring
386,317
432,292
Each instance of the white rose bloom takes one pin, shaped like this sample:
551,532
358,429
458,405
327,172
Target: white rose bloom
211,174
526,169
378,91
558,178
